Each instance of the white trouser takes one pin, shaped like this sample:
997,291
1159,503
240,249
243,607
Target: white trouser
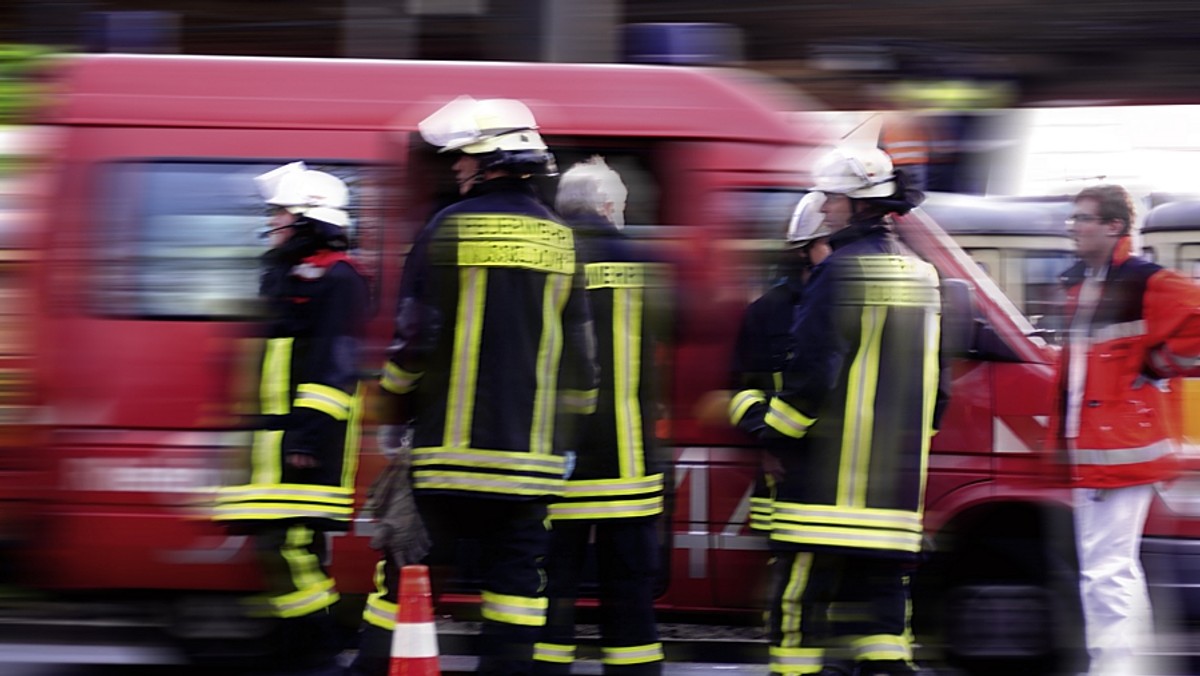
1116,604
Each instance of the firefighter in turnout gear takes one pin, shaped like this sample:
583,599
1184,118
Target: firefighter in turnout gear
615,491
852,425
493,335
764,342
305,451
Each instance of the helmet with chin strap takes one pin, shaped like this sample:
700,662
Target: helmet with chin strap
500,133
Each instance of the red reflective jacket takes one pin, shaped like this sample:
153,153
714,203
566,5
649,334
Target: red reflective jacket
1146,327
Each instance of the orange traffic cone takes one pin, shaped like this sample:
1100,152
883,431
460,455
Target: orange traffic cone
414,641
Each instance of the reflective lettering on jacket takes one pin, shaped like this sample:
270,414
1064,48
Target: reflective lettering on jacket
617,474
492,335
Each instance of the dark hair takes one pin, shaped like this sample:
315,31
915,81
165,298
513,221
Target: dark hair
1113,201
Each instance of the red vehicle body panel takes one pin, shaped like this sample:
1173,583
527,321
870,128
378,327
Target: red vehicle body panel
139,411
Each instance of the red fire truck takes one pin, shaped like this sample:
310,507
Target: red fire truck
147,282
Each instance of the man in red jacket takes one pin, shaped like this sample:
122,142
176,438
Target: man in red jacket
1132,325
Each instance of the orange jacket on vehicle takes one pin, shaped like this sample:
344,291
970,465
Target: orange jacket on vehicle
1146,328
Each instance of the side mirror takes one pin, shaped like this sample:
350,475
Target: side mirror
966,332
960,318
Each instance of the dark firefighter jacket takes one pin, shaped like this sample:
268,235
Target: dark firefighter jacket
763,348
860,400
309,396
617,471
493,332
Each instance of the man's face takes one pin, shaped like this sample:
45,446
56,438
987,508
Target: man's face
466,172
1094,238
837,209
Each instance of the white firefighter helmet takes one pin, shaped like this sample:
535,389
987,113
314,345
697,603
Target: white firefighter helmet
858,172
808,223
480,127
303,191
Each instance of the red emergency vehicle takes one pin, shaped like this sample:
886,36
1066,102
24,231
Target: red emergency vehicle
150,275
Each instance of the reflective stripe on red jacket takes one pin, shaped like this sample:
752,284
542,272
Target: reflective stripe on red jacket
1143,309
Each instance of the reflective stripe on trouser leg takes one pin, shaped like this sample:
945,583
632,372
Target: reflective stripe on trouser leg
514,544
297,583
627,558
555,651
379,621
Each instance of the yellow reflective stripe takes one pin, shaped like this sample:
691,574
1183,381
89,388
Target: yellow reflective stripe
791,610
741,403
595,488
858,429
274,388
619,275
637,654
300,492
777,380
761,510
553,652
274,397
786,420
855,538
541,430
933,342
305,601
265,456
881,647
488,240
485,483
398,381
793,660
465,361
471,458
627,358
320,398
379,611
353,435
269,511
858,517
582,402
314,587
610,509
521,610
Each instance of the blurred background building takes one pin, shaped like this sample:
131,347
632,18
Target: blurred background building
1010,51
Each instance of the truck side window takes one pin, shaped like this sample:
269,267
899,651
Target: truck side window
179,239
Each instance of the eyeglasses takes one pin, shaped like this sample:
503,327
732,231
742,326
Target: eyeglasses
1083,218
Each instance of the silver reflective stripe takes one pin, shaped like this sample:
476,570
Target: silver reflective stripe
500,459
599,509
641,654
486,483
845,537
279,512
859,517
1122,330
285,491
585,488
1122,456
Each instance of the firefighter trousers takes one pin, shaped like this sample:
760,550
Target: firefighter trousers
500,543
626,555
838,610
299,593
